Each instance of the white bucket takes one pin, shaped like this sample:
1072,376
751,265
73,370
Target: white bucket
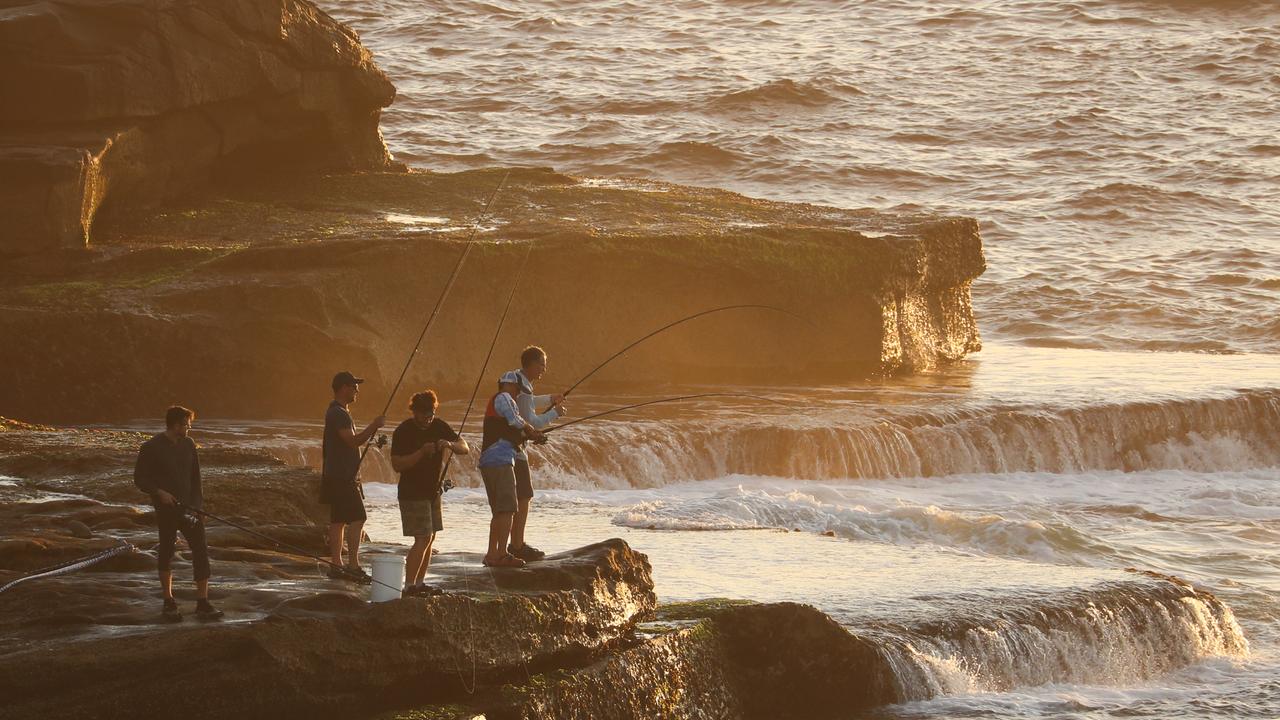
388,578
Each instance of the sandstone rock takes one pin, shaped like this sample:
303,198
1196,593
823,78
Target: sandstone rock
333,655
79,529
121,105
235,297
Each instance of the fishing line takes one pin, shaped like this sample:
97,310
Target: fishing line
453,276
278,543
444,474
659,402
664,328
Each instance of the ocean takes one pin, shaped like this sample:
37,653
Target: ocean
989,524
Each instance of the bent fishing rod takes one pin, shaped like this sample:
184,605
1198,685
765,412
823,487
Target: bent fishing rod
453,276
497,331
668,326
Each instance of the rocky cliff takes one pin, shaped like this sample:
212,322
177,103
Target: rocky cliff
106,107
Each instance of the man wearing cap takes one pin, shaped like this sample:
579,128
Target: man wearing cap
339,484
505,432
533,365
417,448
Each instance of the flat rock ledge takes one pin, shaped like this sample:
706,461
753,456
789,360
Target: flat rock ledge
245,300
332,654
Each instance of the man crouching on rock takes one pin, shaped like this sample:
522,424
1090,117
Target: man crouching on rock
168,470
417,448
339,482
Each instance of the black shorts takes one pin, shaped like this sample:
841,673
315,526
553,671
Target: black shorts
346,504
524,484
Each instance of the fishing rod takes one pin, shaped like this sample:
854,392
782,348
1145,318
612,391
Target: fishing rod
453,276
678,398
664,328
444,474
278,543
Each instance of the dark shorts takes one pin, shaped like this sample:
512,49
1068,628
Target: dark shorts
170,521
500,486
420,517
524,484
346,504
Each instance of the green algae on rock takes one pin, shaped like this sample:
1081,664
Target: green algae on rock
260,279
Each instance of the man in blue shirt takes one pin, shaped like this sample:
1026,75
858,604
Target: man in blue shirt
533,365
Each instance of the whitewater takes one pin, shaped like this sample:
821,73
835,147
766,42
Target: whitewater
991,526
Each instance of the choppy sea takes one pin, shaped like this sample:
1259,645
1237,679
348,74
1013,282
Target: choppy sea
1123,157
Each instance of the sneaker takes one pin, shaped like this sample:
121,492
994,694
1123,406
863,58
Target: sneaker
170,611
356,574
205,611
527,552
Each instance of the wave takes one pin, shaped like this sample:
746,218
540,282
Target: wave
906,524
783,93
692,153
1235,432
1125,633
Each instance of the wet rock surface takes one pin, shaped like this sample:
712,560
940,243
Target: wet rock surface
246,301
110,106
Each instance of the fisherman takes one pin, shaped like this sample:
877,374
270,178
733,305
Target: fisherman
168,469
339,485
505,432
533,365
417,447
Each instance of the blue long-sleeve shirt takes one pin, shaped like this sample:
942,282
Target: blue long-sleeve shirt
528,404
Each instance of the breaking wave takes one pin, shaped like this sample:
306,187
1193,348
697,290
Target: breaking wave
1124,634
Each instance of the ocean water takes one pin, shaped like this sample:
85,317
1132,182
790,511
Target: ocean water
981,522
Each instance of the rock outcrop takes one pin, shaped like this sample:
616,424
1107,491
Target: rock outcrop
245,302
107,107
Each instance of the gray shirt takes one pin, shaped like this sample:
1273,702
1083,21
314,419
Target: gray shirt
341,461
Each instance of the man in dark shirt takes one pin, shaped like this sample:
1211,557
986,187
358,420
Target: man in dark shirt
168,470
339,485
417,450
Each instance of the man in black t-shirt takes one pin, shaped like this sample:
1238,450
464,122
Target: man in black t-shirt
417,451
339,481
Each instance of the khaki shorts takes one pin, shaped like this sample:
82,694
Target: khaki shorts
500,486
419,518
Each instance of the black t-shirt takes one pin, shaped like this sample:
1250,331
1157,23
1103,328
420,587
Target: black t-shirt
422,481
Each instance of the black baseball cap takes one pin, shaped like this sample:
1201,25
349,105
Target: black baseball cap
345,378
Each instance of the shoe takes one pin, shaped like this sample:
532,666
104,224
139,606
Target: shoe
205,611
336,573
527,552
170,611
506,561
356,574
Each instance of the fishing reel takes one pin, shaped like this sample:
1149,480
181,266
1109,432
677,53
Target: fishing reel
381,442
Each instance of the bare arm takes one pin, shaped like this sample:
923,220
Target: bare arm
355,439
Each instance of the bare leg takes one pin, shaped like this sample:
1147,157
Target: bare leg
415,564
166,584
335,543
426,561
518,522
354,532
499,531
202,589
